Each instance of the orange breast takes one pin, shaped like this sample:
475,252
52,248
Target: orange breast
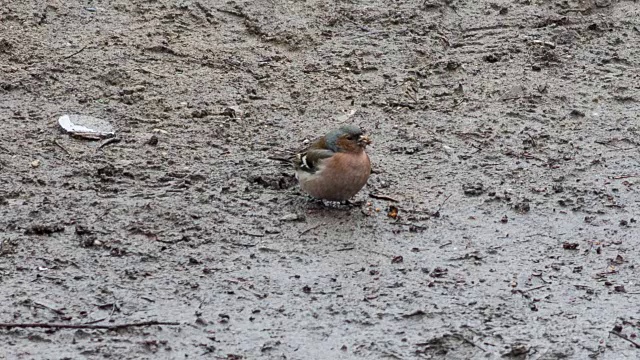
341,177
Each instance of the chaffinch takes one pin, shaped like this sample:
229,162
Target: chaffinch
335,167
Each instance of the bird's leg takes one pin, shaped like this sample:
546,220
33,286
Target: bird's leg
352,203
316,201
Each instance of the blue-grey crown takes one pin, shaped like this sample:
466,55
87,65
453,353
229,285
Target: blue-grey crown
332,137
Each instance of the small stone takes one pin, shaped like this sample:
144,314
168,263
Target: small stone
473,189
577,113
35,163
153,140
271,230
292,217
491,58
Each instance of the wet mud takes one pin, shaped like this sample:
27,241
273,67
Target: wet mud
501,220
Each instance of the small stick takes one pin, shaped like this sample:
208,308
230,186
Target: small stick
625,338
95,321
231,12
382,197
61,147
256,294
145,70
541,278
243,245
622,177
143,120
469,341
442,204
346,249
59,312
206,11
311,228
75,53
85,326
534,288
113,140
363,28
410,224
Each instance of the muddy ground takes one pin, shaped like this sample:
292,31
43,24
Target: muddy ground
508,132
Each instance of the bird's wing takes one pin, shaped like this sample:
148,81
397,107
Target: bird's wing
309,160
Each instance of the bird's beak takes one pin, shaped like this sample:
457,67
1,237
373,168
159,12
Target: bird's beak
364,140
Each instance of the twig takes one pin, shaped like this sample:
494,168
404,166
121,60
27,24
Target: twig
622,177
75,53
311,228
469,341
243,245
143,120
113,140
534,288
252,234
172,242
469,136
541,278
361,27
346,249
410,224
95,321
383,197
256,294
85,326
445,244
202,8
55,142
442,204
145,70
59,312
371,32
231,12
625,338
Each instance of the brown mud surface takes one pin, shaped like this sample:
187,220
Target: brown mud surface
508,132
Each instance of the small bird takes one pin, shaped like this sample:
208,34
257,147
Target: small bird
335,167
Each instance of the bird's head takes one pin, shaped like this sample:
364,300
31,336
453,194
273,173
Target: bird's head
347,138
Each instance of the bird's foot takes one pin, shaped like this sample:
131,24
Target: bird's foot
350,203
